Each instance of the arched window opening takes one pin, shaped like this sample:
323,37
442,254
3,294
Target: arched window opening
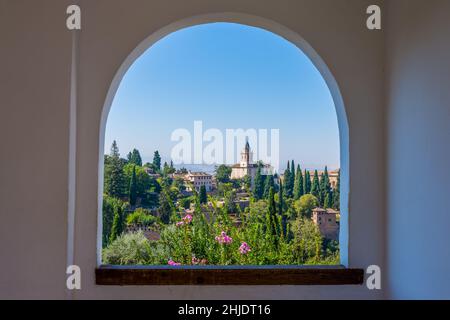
222,147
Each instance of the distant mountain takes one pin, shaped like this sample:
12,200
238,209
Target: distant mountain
197,167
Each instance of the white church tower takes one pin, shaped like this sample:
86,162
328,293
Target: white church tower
246,156
245,167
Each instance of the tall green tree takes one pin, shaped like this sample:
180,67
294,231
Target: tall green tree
157,161
298,184
132,193
223,173
203,196
134,157
268,185
327,203
247,183
307,182
115,184
229,201
337,192
168,169
322,191
166,207
273,219
292,176
325,188
109,204
280,199
258,184
281,210
118,222
114,150
287,182
315,187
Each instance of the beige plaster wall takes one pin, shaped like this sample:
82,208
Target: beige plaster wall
418,154
35,116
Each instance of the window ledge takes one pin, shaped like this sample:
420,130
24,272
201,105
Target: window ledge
228,275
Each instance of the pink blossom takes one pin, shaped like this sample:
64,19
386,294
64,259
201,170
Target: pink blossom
180,223
187,218
173,263
224,238
244,248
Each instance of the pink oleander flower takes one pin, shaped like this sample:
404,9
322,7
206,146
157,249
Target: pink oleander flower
180,223
224,238
244,248
187,218
173,263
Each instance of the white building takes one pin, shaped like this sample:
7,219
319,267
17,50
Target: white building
198,179
246,166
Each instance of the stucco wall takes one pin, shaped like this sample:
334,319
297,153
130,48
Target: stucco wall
35,117
418,157
34,91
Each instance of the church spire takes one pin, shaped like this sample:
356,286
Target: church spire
246,157
247,145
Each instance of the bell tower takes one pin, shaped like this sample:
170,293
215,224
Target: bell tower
246,155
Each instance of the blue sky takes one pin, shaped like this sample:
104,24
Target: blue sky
228,76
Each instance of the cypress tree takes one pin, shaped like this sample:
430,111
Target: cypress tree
322,189
287,181
298,183
315,188
273,217
326,188
165,168
134,157
280,199
157,161
337,192
115,184
280,211
268,184
307,183
165,205
117,227
203,196
133,188
328,202
114,150
292,177
258,188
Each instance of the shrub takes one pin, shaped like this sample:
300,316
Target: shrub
196,240
141,217
129,248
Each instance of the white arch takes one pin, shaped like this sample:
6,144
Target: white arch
254,21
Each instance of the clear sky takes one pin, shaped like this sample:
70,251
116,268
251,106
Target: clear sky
229,76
